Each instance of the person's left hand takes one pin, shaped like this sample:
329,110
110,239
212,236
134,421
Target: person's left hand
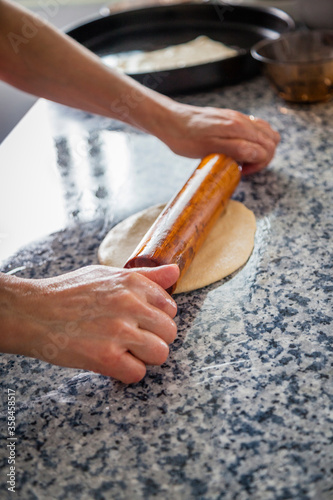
107,320
198,131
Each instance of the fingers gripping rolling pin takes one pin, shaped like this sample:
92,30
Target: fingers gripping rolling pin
185,222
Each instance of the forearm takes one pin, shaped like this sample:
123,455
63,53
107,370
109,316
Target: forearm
17,328
50,64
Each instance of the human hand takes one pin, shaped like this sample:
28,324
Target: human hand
197,131
51,65
107,320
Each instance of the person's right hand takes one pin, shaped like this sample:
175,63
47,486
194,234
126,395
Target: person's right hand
195,132
111,321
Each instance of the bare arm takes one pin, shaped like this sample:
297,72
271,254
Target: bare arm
39,59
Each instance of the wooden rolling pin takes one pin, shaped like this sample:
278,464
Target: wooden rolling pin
185,222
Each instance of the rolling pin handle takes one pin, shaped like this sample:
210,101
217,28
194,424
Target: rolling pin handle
183,225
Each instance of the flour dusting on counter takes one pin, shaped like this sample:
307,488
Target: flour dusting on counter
242,408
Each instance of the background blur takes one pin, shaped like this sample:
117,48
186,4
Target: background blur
64,13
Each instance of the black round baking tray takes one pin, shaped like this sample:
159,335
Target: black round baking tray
161,26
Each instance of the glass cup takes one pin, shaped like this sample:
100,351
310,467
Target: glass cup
299,64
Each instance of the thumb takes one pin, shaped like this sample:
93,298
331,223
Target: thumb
165,276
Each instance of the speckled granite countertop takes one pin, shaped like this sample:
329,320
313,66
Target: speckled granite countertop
243,408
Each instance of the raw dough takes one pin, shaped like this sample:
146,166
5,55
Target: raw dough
199,51
227,247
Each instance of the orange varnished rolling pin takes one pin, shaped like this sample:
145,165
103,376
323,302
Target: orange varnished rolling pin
185,222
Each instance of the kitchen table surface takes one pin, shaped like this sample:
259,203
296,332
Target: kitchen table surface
242,409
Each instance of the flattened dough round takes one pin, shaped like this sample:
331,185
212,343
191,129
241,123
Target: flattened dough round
227,247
